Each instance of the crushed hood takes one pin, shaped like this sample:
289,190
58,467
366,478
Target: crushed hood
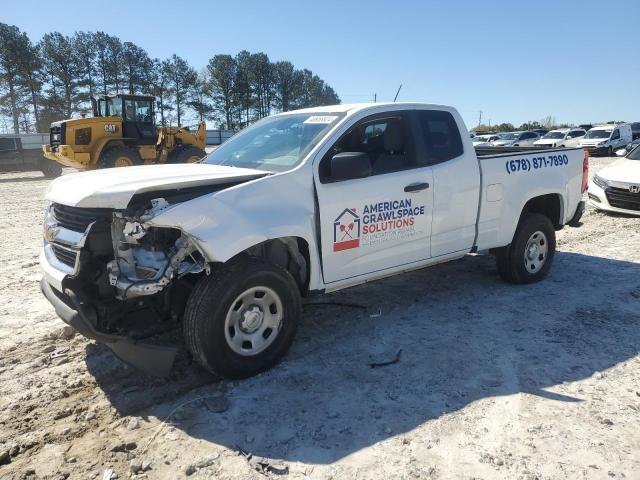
114,187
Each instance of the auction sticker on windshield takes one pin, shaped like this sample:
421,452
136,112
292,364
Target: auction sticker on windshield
322,119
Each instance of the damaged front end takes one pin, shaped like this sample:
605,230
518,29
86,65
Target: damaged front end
119,280
148,258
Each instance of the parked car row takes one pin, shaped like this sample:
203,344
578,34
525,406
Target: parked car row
598,140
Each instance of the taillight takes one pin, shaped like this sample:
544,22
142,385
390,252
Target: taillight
585,171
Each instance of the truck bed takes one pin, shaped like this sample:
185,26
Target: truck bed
510,176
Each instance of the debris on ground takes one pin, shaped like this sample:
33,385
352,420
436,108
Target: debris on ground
262,464
58,353
396,359
133,423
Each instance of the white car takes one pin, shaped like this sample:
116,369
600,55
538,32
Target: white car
516,139
566,137
299,203
616,188
606,139
484,140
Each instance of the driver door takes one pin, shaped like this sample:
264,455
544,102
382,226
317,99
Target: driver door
138,121
382,221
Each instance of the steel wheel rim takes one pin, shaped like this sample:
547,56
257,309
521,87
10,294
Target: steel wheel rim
253,321
123,162
535,252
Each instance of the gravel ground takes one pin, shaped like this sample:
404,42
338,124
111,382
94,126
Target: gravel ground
494,380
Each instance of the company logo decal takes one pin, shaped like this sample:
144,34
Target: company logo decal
379,223
346,230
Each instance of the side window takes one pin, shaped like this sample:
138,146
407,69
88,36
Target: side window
386,140
442,139
616,134
137,110
576,133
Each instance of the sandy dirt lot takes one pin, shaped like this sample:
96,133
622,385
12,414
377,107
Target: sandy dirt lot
494,380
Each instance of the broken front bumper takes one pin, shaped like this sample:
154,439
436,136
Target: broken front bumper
75,309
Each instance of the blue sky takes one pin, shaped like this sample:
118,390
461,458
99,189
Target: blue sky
515,61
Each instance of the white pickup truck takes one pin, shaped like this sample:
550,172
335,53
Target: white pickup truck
303,202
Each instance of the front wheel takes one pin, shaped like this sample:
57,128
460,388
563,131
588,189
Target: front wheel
529,256
241,320
187,154
119,157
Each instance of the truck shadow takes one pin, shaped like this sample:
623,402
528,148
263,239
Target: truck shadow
464,336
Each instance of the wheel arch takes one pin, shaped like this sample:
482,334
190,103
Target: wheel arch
290,253
550,205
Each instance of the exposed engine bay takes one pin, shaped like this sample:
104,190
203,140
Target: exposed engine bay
147,258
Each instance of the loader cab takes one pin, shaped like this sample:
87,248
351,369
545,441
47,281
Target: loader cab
136,112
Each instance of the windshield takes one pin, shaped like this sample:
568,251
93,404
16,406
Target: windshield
598,134
635,153
114,107
508,136
554,135
274,144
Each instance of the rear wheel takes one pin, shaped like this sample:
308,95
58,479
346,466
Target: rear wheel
119,157
242,319
529,256
50,169
187,154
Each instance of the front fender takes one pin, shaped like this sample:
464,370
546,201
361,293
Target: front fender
227,222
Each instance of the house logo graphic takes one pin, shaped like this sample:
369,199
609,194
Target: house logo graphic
346,230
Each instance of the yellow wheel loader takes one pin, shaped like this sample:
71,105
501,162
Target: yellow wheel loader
122,133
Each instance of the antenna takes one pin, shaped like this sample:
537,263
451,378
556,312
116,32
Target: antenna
396,97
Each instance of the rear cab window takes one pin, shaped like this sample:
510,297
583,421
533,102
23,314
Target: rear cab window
442,140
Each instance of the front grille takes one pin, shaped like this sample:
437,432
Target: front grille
57,135
623,198
65,255
78,219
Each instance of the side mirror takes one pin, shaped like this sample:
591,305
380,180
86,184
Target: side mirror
622,152
350,165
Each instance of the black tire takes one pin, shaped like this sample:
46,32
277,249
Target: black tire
50,169
610,152
116,155
212,300
514,265
186,154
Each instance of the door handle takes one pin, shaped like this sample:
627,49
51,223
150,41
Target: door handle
416,187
